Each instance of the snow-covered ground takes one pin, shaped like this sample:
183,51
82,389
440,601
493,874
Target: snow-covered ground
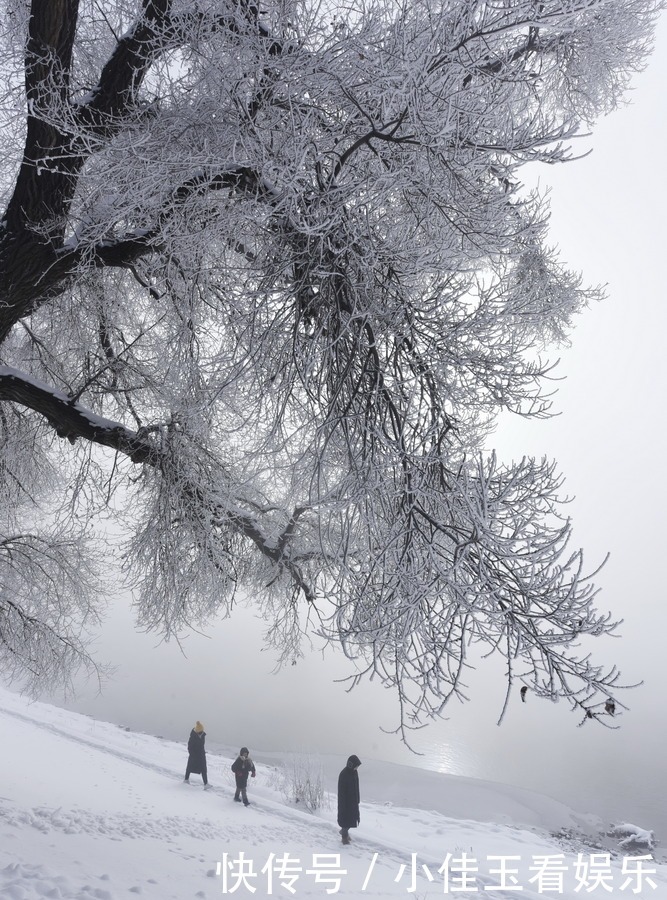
89,811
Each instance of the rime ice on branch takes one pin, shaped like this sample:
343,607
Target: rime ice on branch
281,263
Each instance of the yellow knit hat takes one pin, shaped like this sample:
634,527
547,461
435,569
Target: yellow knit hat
198,727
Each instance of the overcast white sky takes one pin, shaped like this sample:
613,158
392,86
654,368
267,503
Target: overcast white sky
609,221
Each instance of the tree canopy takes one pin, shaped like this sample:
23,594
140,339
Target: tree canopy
279,261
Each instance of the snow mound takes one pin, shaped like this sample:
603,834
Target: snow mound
633,836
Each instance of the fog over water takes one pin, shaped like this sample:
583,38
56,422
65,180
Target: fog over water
609,440
226,681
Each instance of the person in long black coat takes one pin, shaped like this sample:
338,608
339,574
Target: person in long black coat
197,754
348,798
242,767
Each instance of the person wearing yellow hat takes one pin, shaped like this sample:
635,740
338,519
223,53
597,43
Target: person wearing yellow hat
197,755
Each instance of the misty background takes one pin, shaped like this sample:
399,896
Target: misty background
608,218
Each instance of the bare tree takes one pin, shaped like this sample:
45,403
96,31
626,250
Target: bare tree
300,780
280,261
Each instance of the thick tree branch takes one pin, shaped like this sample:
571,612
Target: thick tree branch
72,420
43,182
125,251
33,266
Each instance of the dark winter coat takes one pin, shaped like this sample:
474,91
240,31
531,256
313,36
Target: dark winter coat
242,767
196,752
348,795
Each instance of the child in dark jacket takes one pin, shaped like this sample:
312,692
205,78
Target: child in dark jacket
242,767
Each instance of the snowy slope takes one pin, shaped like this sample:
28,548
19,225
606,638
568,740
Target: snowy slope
88,810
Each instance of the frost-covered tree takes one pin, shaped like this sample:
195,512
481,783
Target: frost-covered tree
278,260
